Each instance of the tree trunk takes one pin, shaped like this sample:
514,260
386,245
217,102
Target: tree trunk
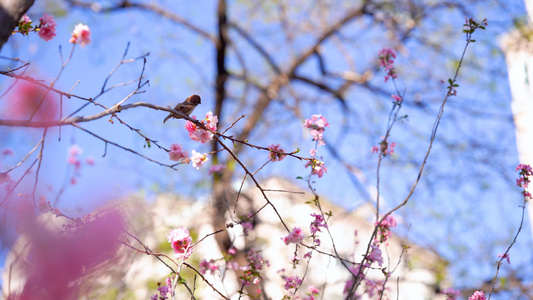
10,13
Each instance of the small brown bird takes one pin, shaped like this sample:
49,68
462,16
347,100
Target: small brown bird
186,107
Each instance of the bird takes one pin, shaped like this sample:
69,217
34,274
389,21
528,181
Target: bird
186,107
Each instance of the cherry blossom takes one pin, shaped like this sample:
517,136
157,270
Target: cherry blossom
47,27
295,236
276,153
181,242
317,124
386,61
198,159
478,295
177,153
197,134
81,35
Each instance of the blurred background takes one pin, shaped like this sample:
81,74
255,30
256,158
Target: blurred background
278,63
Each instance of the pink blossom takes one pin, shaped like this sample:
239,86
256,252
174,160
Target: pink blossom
208,266
375,255
75,150
4,177
255,265
232,265
201,135
73,180
312,152
506,256
28,99
317,124
276,153
386,61
181,242
373,287
211,121
525,169
396,98
295,236
522,182
247,227
384,229
198,159
317,167
292,282
313,292
61,262
90,161
216,169
385,148
25,19
24,25
73,160
317,223
81,35
478,295
8,152
47,27
178,154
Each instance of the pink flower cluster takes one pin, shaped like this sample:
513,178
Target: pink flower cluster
295,236
24,25
181,242
74,152
198,134
396,98
81,35
478,295
374,287
276,153
178,154
251,272
317,124
386,148
198,159
524,172
292,282
317,167
247,227
386,61
45,206
317,223
312,294
371,287
4,177
384,229
47,27
375,255
506,256
210,266
165,291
